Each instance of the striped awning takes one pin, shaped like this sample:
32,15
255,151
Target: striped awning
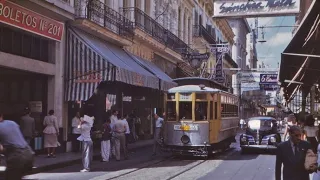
91,61
165,81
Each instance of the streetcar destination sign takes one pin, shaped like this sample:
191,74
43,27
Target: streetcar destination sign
245,8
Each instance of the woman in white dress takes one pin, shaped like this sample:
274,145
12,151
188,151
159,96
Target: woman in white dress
51,133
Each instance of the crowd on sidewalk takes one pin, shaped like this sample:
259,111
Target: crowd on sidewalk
117,132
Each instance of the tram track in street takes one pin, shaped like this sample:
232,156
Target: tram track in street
140,168
171,162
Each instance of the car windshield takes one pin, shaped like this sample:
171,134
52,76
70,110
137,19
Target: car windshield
260,124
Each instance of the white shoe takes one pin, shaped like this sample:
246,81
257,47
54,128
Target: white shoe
84,170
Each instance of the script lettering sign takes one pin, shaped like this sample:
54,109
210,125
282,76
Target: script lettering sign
255,8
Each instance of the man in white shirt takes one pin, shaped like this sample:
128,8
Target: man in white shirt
128,130
114,117
119,129
157,133
75,133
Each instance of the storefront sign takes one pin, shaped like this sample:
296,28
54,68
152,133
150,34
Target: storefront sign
245,8
269,87
219,52
268,78
198,56
196,59
35,106
20,17
137,79
87,77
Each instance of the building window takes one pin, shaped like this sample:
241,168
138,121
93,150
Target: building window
22,44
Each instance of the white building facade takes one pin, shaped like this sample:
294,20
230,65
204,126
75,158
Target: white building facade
240,28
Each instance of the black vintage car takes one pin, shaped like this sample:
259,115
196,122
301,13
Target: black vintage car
261,133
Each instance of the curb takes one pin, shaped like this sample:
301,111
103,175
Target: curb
96,156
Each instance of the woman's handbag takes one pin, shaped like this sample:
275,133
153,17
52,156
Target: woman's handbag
310,163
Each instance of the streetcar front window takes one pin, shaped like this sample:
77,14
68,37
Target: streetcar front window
185,110
201,110
171,111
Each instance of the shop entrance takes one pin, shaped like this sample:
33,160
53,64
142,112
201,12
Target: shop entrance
18,90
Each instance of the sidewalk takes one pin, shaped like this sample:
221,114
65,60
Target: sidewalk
42,163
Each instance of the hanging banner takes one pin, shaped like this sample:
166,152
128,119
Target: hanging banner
256,8
219,51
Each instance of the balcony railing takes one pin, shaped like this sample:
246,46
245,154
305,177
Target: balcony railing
156,30
200,31
105,16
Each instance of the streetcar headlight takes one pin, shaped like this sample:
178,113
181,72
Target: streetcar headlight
272,139
185,139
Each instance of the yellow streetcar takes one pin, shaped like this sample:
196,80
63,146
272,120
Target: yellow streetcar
199,120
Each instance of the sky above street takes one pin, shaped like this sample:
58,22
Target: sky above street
277,38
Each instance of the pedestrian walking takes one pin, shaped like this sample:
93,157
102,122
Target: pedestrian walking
87,144
119,138
292,121
242,123
76,132
105,142
127,133
114,119
292,154
51,133
19,155
27,126
157,133
311,132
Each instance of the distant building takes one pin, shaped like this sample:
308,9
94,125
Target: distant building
240,28
252,56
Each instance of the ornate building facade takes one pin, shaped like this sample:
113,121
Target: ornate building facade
209,33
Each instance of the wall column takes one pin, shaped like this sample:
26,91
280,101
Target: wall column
56,83
186,30
181,23
131,11
190,28
152,8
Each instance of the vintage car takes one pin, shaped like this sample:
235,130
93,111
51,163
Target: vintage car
261,133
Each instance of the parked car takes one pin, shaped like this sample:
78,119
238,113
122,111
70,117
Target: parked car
261,133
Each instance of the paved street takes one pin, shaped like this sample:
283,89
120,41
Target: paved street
230,165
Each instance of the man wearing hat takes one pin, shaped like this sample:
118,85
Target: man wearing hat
27,125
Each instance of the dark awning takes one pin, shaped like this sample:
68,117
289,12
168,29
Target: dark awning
166,81
90,61
296,63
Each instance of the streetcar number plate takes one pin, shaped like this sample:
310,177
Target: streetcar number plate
189,127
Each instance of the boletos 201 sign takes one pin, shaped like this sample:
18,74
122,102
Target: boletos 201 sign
20,17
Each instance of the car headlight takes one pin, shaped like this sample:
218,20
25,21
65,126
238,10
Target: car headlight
273,139
243,139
